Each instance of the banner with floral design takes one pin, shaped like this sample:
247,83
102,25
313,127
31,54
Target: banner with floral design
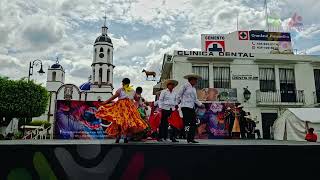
214,123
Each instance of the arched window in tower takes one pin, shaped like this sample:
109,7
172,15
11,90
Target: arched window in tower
100,77
108,56
94,75
54,76
95,55
108,76
101,55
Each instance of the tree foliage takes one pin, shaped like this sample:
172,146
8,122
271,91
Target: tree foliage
22,99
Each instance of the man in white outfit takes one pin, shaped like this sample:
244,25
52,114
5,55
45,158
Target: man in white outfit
167,103
189,100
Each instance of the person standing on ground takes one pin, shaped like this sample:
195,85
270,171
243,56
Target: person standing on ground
123,113
168,104
139,102
230,121
242,122
188,98
251,128
311,136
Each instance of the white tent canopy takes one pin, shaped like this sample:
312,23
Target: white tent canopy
292,124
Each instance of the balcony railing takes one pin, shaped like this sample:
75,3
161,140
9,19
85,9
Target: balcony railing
316,96
280,97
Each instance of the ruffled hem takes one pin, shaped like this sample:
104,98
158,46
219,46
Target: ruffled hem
124,116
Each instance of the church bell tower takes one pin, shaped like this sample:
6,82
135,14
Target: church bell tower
102,66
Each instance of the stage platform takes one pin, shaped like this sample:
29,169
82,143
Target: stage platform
151,160
202,142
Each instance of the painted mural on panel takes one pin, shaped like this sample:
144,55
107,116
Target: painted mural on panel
76,120
216,122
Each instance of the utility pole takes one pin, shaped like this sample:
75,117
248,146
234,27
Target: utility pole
237,21
266,14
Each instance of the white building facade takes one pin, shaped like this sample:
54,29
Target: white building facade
276,81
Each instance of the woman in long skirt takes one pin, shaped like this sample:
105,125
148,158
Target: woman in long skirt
123,114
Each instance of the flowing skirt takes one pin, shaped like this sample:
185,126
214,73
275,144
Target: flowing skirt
124,116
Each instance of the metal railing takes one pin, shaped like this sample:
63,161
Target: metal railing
280,96
31,134
43,134
40,133
316,96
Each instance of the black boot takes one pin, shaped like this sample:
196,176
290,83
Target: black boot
117,140
186,130
193,141
174,140
173,134
191,135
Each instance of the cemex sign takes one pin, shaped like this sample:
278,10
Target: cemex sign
255,41
213,42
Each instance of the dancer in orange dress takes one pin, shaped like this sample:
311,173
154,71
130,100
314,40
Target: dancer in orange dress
236,125
123,113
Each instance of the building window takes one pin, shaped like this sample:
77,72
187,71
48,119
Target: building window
287,85
94,75
100,76
101,49
54,76
108,76
221,77
287,79
108,56
95,55
203,71
267,79
317,83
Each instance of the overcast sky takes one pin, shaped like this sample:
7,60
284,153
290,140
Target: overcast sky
141,31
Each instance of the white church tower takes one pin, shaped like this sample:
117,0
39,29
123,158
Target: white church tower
102,65
55,77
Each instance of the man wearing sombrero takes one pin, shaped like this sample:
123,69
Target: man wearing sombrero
242,121
167,103
189,101
251,127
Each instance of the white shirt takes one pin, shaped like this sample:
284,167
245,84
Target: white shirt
168,100
188,96
124,95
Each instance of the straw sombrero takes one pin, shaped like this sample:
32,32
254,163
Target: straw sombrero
192,76
174,82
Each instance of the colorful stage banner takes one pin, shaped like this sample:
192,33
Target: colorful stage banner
76,120
215,121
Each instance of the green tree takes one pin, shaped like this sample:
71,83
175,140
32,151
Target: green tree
22,99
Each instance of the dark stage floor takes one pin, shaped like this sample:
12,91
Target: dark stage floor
151,160
209,142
